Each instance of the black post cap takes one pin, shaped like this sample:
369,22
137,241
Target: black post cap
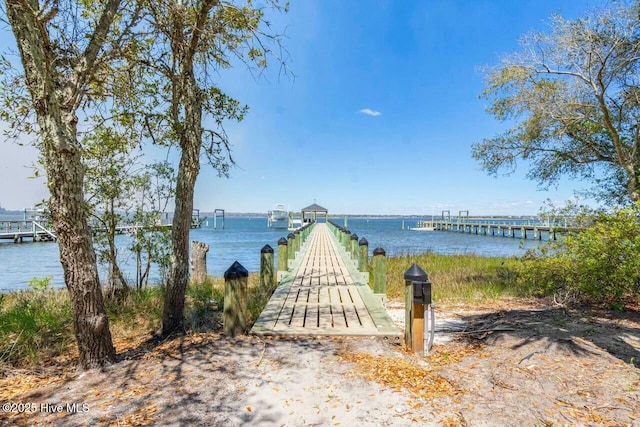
354,237
266,249
296,232
379,251
347,231
363,242
415,274
291,236
282,241
236,271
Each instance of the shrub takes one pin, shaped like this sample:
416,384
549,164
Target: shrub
600,264
204,301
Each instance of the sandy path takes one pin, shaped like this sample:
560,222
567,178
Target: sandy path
521,366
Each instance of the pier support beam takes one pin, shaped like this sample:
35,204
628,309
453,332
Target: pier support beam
297,240
346,239
267,283
283,257
291,247
235,300
353,248
363,261
380,273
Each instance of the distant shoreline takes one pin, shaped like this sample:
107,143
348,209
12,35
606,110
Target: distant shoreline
389,216
341,215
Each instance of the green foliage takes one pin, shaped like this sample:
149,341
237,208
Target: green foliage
600,264
151,242
141,309
35,324
40,284
120,191
204,303
573,96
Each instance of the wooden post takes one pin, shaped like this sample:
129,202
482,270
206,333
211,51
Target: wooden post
414,313
363,265
346,239
266,270
199,261
353,248
282,254
379,271
291,252
235,300
297,239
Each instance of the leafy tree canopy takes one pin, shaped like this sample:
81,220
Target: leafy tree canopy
574,96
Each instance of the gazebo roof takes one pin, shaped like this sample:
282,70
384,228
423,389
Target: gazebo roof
314,208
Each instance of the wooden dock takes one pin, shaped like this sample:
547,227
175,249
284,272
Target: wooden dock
521,231
26,229
322,293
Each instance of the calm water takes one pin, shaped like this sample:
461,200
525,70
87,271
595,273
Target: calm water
242,239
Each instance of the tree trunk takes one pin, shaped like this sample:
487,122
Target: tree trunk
65,177
172,318
633,186
118,288
54,104
190,139
199,261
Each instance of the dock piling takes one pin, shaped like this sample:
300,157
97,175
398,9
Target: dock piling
353,248
282,257
267,283
291,247
380,271
363,260
235,300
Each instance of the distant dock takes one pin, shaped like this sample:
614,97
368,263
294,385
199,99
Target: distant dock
521,231
37,229
33,230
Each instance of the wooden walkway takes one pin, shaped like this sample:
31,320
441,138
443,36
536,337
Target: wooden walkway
324,294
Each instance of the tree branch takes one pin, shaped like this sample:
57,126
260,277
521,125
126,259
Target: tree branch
84,70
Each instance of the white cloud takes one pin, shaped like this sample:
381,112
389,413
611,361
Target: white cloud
370,112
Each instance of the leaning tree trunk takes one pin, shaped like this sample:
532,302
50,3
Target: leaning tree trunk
190,139
55,99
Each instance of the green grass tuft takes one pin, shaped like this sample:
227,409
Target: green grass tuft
457,278
34,324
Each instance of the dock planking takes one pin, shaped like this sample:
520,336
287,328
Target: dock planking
324,294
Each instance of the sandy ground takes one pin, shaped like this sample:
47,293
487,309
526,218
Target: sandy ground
507,366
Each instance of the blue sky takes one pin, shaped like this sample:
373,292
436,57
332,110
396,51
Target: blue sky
379,118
